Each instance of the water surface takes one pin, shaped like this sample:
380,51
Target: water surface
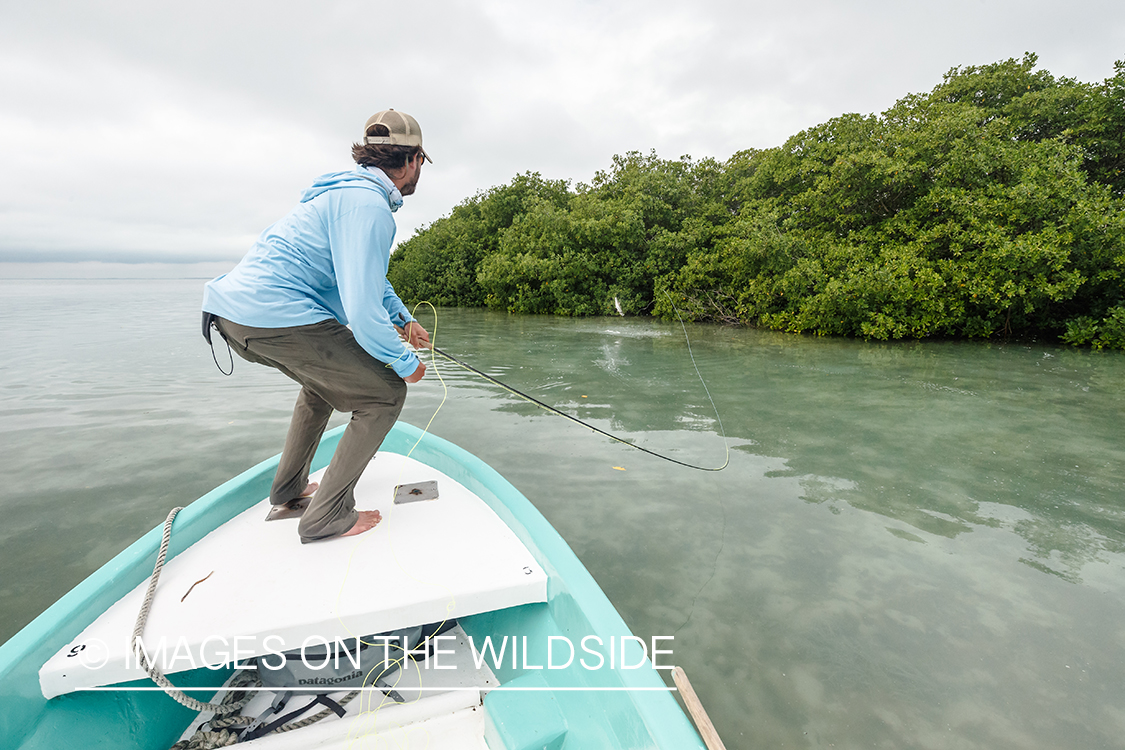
915,545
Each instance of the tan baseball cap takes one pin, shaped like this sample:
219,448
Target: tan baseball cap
404,130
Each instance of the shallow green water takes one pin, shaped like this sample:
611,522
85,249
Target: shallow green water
914,545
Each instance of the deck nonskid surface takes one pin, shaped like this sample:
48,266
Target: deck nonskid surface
265,591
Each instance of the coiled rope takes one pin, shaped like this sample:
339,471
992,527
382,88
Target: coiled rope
229,730
222,731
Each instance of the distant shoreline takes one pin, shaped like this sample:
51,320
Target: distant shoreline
86,270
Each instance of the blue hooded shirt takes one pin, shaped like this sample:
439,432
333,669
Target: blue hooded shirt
326,259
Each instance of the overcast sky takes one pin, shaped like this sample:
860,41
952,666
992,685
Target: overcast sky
176,132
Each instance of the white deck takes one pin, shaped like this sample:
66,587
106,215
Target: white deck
426,562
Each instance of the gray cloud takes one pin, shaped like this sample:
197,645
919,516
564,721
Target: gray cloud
174,132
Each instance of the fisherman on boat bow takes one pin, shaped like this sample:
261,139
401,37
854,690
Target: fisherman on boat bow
288,305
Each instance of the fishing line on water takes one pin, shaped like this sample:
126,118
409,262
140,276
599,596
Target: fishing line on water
553,410
718,496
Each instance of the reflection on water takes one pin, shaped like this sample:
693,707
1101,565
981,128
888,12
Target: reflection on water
924,434
914,545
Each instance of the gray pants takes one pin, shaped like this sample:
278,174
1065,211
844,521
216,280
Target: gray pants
335,373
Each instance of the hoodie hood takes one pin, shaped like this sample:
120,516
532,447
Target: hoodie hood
367,178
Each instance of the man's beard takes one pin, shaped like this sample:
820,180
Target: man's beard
408,188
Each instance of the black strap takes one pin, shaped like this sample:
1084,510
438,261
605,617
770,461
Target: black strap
321,699
209,323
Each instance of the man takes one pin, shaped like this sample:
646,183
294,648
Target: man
287,305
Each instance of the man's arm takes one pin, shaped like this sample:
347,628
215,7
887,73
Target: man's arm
397,311
361,243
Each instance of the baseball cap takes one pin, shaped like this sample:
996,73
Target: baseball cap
404,130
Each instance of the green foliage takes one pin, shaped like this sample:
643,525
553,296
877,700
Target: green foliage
1108,333
440,263
991,206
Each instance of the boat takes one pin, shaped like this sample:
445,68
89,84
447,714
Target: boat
513,647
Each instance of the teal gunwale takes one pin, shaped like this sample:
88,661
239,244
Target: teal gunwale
576,606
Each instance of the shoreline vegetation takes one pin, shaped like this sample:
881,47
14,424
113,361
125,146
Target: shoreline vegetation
991,207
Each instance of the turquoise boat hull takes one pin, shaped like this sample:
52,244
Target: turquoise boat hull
631,709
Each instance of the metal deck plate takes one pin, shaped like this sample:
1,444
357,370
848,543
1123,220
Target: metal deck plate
412,493
291,509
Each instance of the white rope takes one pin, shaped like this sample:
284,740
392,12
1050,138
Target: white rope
157,676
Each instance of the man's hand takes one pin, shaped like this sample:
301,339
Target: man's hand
415,376
415,335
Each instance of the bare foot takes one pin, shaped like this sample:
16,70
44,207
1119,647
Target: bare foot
310,488
368,519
